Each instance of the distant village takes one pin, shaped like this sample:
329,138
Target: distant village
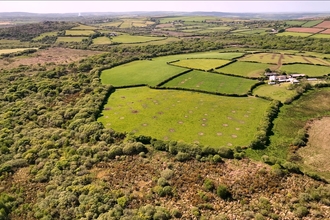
274,78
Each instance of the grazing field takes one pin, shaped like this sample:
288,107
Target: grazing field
305,30
212,82
311,23
125,38
278,92
295,23
153,71
186,19
70,39
201,64
102,40
324,24
276,58
49,34
246,69
4,51
293,117
188,116
321,36
83,27
309,70
294,34
140,72
127,23
79,32
259,31
156,42
111,24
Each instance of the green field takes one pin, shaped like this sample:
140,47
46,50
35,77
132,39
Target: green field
79,32
201,64
275,58
83,27
111,24
70,39
311,23
327,36
181,115
246,69
53,33
253,31
293,117
212,82
125,38
186,19
156,42
295,23
294,34
140,72
309,70
102,40
4,51
154,71
278,92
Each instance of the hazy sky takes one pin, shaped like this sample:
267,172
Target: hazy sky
123,6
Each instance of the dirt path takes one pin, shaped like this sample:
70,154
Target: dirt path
279,62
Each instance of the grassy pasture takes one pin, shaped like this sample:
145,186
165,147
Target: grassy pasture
70,39
311,23
275,58
246,69
4,43
294,34
79,32
102,40
140,72
181,115
310,70
125,38
139,24
83,27
111,24
292,118
253,31
156,42
127,23
53,33
186,19
212,82
293,23
278,92
327,36
154,71
4,51
202,64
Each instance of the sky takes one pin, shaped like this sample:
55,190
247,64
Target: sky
185,6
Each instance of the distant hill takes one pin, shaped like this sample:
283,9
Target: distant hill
57,16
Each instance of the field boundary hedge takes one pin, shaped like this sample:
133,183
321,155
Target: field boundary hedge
173,77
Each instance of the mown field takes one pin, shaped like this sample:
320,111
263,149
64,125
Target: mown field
79,32
309,70
327,36
70,39
211,82
83,27
102,40
294,34
140,72
278,92
154,71
311,23
125,38
246,69
276,58
53,33
4,51
201,64
188,116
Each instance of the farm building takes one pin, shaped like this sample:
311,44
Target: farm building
297,75
293,80
271,74
282,78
